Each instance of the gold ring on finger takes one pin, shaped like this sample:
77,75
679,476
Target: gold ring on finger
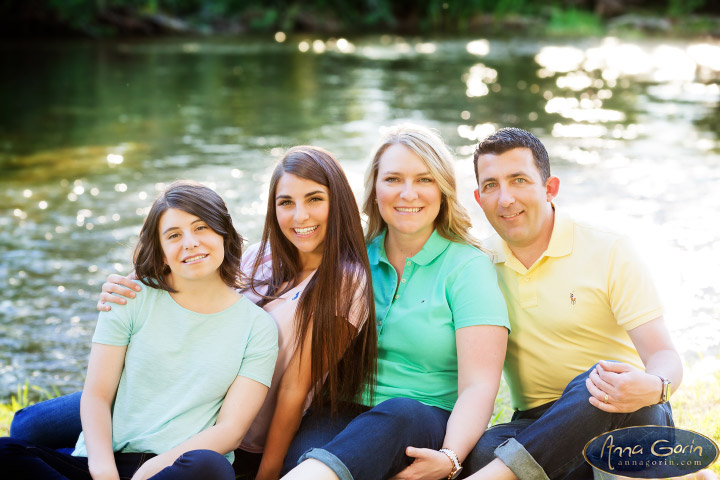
606,398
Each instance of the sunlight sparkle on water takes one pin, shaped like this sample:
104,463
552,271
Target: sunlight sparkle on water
426,48
578,130
344,46
478,47
318,46
477,80
560,59
672,64
114,159
706,55
576,81
477,133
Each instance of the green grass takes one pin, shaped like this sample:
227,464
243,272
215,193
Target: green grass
26,395
573,22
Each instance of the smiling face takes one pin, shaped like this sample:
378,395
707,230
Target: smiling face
301,208
191,249
407,195
515,199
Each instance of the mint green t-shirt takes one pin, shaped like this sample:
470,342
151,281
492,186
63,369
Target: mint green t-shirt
179,365
444,287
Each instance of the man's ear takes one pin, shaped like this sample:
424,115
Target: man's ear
476,192
552,187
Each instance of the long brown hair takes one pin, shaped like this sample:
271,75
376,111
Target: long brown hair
347,357
204,203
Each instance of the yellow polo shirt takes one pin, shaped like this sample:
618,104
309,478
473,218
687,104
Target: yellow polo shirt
571,308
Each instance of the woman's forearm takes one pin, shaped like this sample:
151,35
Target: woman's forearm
283,427
469,419
97,430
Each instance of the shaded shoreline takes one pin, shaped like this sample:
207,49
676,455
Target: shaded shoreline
135,18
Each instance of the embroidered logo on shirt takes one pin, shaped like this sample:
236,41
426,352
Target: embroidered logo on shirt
297,294
573,299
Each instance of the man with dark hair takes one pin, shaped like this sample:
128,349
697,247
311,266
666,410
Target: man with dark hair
589,351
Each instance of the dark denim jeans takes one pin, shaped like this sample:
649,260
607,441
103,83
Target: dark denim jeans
371,445
22,460
548,441
56,424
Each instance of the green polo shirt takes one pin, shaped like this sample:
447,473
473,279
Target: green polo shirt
444,287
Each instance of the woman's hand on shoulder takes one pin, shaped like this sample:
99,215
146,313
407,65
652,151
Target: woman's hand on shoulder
119,285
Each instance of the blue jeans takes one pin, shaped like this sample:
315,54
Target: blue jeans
55,424
548,441
371,445
23,460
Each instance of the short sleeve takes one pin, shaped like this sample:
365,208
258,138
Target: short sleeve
634,300
121,322
261,351
474,296
115,327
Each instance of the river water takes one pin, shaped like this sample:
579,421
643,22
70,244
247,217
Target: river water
89,132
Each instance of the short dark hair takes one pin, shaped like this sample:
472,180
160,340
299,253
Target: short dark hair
195,199
507,139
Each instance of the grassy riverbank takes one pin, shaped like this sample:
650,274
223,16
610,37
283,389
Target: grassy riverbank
696,406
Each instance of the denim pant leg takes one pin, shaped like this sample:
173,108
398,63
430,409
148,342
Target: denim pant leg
484,451
198,465
316,429
22,460
553,445
54,423
372,446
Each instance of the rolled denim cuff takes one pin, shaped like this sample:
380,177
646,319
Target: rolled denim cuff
329,459
516,458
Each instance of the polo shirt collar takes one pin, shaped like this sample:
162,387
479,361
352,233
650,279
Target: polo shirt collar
434,246
561,241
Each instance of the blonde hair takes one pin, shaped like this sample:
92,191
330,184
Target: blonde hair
453,221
